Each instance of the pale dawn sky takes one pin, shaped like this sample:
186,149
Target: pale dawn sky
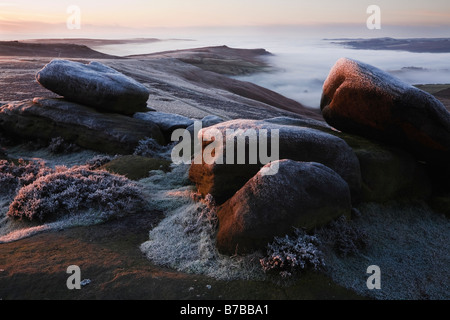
178,13
45,16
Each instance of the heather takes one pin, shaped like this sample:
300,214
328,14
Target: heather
70,190
290,255
41,193
13,175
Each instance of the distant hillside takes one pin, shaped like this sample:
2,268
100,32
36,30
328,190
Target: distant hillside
444,96
430,45
54,50
440,91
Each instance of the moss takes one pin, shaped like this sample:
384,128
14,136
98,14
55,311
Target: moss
388,172
136,167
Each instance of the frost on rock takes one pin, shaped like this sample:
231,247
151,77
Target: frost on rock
361,99
166,121
293,142
366,76
94,85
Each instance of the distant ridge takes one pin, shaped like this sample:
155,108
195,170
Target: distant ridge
418,45
53,50
92,42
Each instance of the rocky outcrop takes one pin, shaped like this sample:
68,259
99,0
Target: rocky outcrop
295,143
387,172
94,85
191,91
49,118
363,100
301,195
176,86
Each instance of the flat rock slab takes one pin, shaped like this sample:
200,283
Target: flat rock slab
49,118
361,99
94,85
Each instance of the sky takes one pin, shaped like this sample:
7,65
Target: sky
27,15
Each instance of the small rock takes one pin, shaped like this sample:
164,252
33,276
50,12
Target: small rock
168,122
207,121
85,282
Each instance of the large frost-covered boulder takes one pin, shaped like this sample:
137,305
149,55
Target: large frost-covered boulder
361,99
301,195
50,118
94,85
222,180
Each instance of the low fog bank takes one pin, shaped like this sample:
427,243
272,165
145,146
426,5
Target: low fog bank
304,66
